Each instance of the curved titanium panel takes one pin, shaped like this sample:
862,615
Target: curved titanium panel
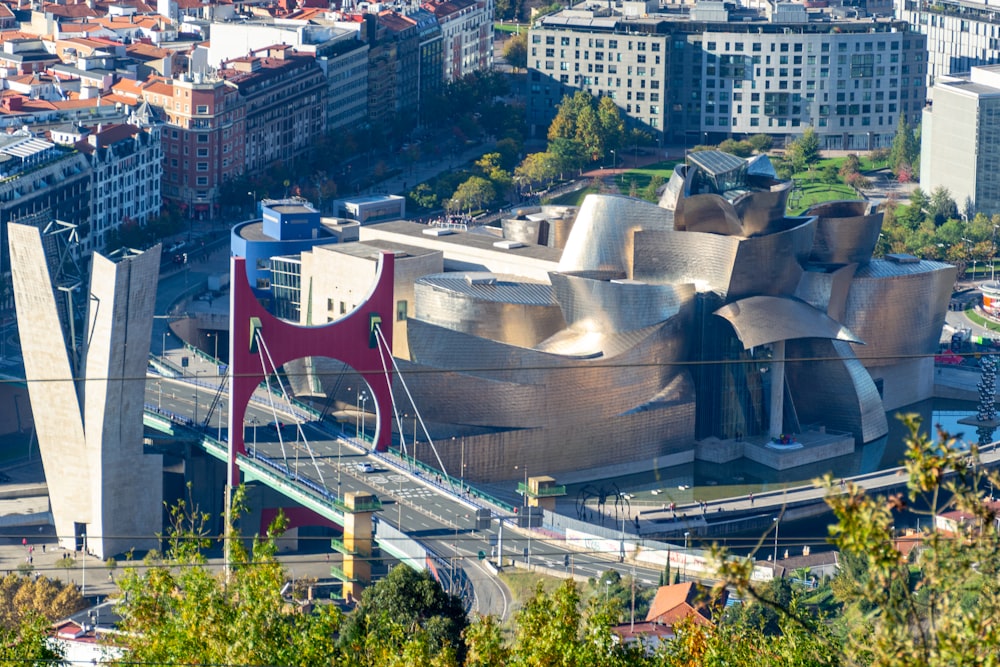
632,369
514,312
759,320
732,267
832,388
602,234
706,260
827,289
707,213
673,191
898,309
760,211
846,232
524,230
603,305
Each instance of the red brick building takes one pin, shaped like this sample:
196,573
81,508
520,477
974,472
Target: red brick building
203,139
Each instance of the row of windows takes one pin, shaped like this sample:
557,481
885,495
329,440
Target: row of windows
797,47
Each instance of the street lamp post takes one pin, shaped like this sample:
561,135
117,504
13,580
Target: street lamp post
163,344
216,337
527,510
253,423
776,525
686,536
197,381
364,402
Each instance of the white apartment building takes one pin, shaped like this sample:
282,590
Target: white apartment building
126,165
960,33
960,139
702,75
467,34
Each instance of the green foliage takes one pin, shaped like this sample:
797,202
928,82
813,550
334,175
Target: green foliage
515,51
935,611
177,611
650,191
904,156
424,197
537,169
473,194
27,643
404,607
804,151
761,142
740,148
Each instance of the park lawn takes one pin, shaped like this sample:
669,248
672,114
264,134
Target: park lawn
574,198
643,175
523,584
512,28
981,321
810,193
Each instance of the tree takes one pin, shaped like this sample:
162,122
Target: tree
589,133
941,206
403,606
177,611
473,194
612,127
563,126
24,597
650,193
537,169
740,148
804,151
515,51
937,608
761,142
905,152
27,643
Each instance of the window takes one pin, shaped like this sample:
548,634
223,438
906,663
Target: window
203,180
201,108
400,311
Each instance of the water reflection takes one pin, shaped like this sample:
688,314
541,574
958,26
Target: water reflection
709,481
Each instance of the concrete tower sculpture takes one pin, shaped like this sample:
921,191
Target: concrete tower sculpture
106,495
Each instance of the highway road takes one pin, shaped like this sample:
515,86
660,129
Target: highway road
411,502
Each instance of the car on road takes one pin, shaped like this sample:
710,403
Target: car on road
365,467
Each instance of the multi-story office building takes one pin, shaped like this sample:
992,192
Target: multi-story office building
284,93
404,66
467,32
338,50
203,139
40,182
126,165
716,72
960,33
345,63
960,137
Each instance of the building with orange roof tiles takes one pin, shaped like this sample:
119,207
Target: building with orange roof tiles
285,96
203,139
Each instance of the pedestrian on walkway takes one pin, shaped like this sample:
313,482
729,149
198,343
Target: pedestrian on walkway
751,500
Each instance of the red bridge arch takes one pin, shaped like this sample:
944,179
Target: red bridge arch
348,340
